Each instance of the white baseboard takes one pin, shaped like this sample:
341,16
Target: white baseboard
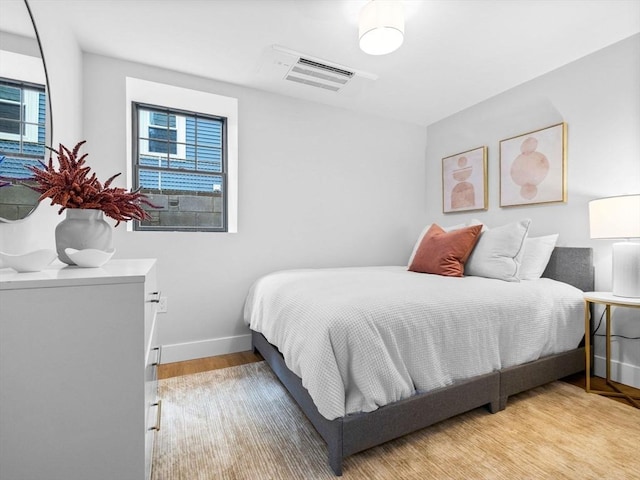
180,352
620,372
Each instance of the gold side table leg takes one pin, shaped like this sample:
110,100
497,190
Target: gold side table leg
608,310
615,391
587,343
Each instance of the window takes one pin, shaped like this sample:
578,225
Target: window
172,105
180,164
22,128
22,144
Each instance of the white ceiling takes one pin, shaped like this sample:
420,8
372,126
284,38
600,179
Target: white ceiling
456,53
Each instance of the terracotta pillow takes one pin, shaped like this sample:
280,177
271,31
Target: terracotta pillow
444,253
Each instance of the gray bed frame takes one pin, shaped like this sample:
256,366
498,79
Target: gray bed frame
356,432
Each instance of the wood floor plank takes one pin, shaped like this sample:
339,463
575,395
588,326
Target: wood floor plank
599,383
169,370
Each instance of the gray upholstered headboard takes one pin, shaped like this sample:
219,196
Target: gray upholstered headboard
572,265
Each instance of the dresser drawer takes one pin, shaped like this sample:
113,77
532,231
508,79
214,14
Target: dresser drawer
151,299
153,406
151,377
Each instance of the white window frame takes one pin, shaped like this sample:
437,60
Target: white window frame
23,68
181,137
172,97
28,116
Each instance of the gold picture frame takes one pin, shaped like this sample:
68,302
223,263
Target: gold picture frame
464,181
533,167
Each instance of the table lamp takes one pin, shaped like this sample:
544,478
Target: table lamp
619,217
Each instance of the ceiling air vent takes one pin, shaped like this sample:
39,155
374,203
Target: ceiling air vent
280,62
319,75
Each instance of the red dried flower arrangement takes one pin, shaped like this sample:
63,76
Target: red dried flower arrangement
71,187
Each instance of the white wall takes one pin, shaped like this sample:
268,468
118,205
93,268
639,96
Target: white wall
64,63
598,97
318,186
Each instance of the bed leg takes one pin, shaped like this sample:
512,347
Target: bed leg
335,456
335,462
498,405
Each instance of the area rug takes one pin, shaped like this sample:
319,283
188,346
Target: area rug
240,423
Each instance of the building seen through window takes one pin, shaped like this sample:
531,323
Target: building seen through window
22,143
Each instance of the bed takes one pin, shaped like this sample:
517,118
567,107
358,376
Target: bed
357,428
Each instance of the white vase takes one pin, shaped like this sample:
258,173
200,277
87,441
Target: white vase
82,229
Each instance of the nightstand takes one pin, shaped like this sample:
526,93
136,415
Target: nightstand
608,300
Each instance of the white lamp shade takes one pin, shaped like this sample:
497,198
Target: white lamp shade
381,26
615,217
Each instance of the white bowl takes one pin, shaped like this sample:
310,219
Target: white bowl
28,262
89,257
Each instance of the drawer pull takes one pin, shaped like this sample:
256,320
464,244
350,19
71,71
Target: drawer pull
158,355
158,404
155,297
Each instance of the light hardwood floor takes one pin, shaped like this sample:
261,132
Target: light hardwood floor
232,359
599,383
168,370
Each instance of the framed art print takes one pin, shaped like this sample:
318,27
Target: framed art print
533,167
464,181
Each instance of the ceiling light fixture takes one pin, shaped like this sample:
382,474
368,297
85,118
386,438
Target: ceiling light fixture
381,26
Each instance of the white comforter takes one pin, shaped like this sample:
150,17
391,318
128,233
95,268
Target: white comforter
360,338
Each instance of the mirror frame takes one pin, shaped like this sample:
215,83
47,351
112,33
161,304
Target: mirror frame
49,123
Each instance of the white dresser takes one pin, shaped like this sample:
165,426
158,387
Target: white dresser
78,359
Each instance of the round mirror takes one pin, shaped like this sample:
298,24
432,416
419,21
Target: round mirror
25,109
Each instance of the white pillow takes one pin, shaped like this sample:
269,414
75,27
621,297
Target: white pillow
537,252
446,229
498,252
